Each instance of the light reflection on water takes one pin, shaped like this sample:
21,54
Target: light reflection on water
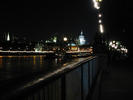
16,66
1,61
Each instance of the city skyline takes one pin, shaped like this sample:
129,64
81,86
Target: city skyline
40,20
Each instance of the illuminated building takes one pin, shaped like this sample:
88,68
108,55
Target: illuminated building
73,48
8,37
38,47
81,39
55,39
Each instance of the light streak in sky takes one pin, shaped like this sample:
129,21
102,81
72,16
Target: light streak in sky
101,28
96,4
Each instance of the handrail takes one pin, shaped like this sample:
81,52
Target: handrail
44,80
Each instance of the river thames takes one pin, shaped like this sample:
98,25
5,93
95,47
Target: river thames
16,67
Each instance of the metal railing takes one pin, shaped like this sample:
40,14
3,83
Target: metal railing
72,82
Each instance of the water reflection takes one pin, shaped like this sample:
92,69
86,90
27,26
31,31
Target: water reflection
41,60
34,60
17,66
1,60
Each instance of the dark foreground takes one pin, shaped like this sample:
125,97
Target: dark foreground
117,83
37,78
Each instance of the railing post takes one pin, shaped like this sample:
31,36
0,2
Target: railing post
82,82
63,87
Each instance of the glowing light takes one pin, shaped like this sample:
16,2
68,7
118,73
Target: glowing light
96,4
113,45
126,50
101,28
99,0
55,39
110,44
82,39
100,21
38,47
113,41
100,15
72,44
8,37
117,43
116,47
65,38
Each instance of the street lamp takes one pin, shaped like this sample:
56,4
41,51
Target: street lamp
65,39
100,21
99,0
99,15
96,4
101,28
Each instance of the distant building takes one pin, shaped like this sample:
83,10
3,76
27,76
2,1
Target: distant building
8,37
55,39
39,47
81,39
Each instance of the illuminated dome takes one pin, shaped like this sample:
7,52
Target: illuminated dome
81,39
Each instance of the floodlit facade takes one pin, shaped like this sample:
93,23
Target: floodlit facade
82,39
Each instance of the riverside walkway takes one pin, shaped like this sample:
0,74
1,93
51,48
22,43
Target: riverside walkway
117,84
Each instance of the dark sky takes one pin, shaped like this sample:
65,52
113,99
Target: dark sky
41,19
118,17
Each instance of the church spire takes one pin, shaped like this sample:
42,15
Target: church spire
8,37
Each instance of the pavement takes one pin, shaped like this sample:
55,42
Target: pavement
117,82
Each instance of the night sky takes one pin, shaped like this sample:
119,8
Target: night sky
118,19
39,20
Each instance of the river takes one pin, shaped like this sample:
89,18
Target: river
16,67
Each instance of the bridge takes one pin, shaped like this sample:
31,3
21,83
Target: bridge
42,52
28,52
46,53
